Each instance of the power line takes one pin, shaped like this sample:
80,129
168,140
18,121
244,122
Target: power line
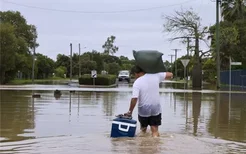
91,12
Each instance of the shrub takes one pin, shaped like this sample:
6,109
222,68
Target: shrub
100,80
60,71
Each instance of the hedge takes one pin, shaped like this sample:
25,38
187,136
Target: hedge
100,80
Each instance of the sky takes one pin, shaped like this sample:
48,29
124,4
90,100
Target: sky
137,24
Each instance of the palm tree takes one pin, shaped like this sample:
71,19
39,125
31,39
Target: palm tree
233,9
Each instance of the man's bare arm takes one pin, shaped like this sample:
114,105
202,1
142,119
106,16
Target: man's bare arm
132,106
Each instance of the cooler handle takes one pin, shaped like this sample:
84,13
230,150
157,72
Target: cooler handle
124,129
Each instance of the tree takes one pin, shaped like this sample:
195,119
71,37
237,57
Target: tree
63,60
209,68
233,10
23,31
88,66
45,66
188,24
113,68
227,44
25,39
7,52
98,58
168,66
60,71
109,47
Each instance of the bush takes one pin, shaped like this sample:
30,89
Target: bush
60,71
100,80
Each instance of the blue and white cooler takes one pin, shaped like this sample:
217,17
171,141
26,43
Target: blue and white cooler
123,127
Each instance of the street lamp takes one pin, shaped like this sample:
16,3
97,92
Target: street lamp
34,58
33,65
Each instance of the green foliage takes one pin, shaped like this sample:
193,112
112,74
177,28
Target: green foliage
63,60
232,42
17,37
209,68
126,67
24,32
168,66
45,66
109,47
233,10
88,66
91,60
233,33
113,68
100,80
180,67
7,52
60,71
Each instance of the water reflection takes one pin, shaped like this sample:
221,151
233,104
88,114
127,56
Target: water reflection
109,100
77,120
70,103
186,110
144,144
57,94
227,120
79,93
175,97
196,109
17,115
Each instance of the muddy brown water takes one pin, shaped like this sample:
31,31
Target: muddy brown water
80,122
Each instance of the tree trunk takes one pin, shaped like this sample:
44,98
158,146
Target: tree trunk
197,76
197,68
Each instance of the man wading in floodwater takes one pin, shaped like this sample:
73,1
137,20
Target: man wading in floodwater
146,94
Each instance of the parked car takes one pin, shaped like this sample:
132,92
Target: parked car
124,75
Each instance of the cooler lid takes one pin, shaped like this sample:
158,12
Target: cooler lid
125,120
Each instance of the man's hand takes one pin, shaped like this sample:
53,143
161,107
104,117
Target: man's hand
169,75
128,114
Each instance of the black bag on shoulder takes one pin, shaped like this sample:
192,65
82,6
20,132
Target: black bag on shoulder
149,60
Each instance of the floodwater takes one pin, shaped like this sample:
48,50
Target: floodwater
80,122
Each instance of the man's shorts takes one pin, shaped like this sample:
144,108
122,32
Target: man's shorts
152,120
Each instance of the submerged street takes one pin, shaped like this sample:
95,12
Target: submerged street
80,121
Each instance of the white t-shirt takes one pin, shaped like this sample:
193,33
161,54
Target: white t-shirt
146,89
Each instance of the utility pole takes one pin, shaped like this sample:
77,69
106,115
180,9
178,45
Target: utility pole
217,44
171,62
171,58
188,46
176,71
71,61
33,64
188,53
79,62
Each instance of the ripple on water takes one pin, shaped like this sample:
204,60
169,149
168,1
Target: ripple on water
168,143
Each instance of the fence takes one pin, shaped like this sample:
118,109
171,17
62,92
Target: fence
238,77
